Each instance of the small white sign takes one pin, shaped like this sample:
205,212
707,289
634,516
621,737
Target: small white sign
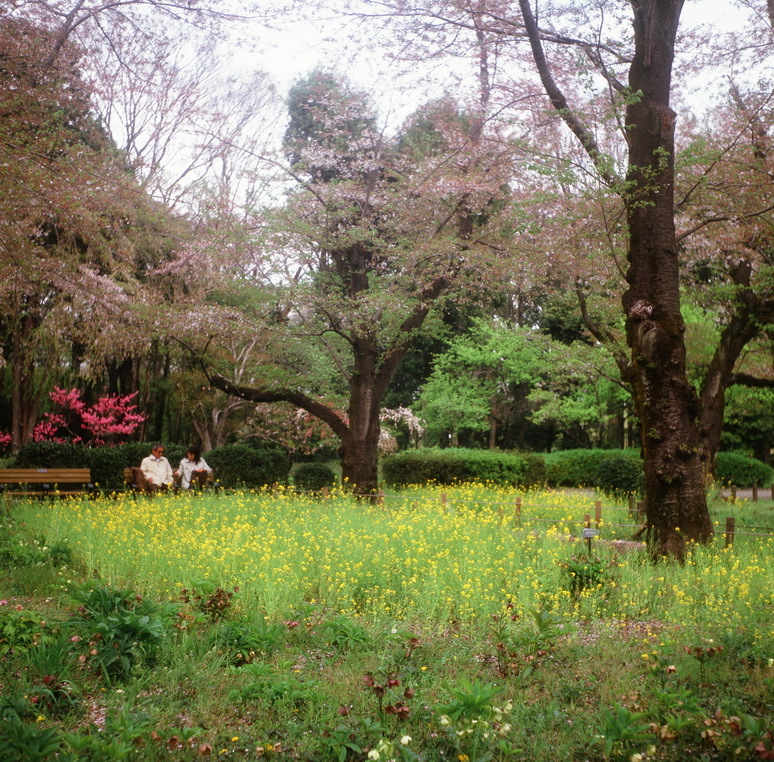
588,533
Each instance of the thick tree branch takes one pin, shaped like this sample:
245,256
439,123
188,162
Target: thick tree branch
723,218
393,356
299,399
755,382
559,101
602,335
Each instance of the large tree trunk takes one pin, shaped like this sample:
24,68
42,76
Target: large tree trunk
740,330
360,445
666,403
26,394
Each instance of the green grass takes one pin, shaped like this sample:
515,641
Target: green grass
355,626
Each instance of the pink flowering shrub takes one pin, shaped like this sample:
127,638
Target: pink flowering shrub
113,417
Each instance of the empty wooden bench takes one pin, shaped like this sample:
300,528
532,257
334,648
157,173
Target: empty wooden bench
45,481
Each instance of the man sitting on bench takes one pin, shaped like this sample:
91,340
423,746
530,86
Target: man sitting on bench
154,473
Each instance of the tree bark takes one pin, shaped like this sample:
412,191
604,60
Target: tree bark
744,325
359,446
26,394
666,403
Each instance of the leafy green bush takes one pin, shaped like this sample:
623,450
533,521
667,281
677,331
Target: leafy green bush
239,465
574,468
739,470
585,572
20,551
51,455
621,473
21,630
313,477
616,472
462,465
27,742
118,628
244,641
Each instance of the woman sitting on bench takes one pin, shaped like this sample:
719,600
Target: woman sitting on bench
193,469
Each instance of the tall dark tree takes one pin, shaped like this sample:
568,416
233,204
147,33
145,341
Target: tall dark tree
636,70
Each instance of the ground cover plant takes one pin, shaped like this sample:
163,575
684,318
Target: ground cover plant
466,623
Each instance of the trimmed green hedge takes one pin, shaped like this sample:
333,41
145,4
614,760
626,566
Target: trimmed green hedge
313,477
732,468
241,465
616,472
234,465
451,466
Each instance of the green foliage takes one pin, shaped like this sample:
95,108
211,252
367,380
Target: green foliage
480,372
271,689
519,646
461,465
19,551
244,641
586,572
344,633
616,472
738,470
21,630
51,455
313,477
25,742
48,668
239,465
339,744
117,629
15,708
620,474
470,701
621,729
748,424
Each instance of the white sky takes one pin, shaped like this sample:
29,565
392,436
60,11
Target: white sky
291,53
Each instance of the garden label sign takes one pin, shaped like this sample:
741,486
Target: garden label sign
587,534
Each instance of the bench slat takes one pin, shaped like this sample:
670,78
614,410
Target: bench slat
44,475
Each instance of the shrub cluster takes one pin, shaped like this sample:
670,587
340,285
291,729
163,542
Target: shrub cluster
234,465
461,465
313,477
241,465
739,470
615,472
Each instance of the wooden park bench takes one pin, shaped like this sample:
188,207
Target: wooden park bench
131,483
45,481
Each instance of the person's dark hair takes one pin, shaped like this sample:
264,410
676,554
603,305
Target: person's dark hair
196,452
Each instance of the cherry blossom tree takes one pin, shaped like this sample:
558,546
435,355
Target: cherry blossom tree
78,236
608,79
376,234
725,229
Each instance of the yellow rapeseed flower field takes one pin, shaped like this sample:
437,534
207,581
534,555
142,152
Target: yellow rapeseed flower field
460,554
